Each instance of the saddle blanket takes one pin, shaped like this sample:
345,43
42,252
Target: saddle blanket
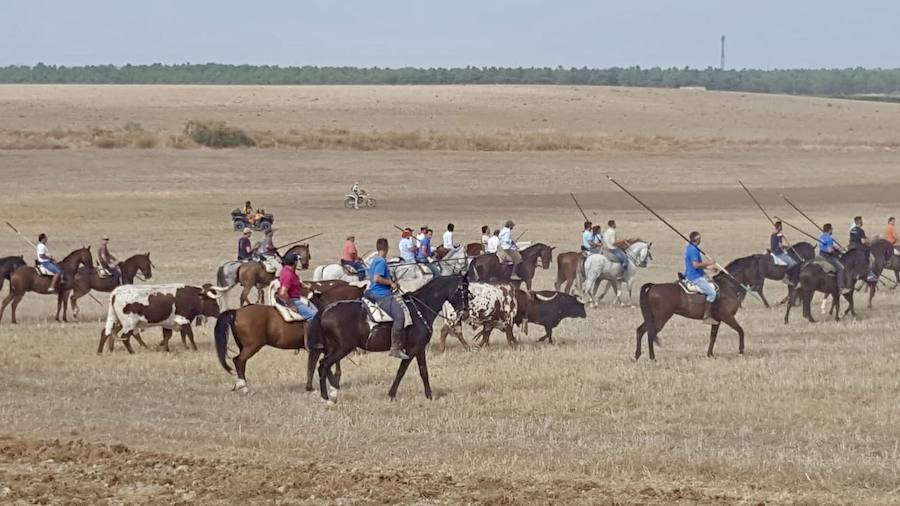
288,314
378,315
43,271
824,264
778,261
690,288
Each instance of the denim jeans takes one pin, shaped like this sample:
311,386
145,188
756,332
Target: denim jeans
391,306
51,267
784,257
307,311
359,266
706,287
620,256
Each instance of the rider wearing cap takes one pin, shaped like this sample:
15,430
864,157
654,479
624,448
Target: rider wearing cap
407,246
508,251
290,288
106,260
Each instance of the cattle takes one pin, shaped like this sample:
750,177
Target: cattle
548,308
490,307
172,307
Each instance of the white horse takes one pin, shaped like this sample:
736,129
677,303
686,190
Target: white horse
338,271
598,267
410,276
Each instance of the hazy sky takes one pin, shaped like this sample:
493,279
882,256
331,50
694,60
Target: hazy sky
422,33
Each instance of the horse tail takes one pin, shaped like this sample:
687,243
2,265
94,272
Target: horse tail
223,324
472,272
647,312
220,276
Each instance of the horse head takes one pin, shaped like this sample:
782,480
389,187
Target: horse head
303,255
546,254
79,257
639,251
144,265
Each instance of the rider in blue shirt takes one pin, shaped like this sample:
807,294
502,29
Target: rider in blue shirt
423,254
693,272
381,287
830,252
586,238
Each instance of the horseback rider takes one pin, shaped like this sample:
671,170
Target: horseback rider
493,243
596,242
424,253
350,257
857,234
777,245
587,237
47,262
266,247
828,250
407,246
694,272
508,251
106,260
245,249
290,288
485,236
890,232
355,191
248,209
381,288
448,238
609,241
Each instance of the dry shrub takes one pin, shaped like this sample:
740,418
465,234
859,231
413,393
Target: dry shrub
133,126
216,134
145,140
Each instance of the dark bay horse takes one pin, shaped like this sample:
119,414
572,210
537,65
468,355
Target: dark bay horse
344,327
254,274
883,257
800,252
87,279
256,326
27,279
488,268
8,265
660,302
813,278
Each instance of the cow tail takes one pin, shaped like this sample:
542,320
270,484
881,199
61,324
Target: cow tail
647,312
111,317
223,324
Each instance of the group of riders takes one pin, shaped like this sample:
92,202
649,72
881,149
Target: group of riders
829,251
107,264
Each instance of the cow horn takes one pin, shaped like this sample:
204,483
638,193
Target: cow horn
545,298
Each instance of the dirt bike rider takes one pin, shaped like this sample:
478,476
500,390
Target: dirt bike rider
356,192
106,260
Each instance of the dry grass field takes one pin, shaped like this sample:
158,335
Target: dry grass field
809,414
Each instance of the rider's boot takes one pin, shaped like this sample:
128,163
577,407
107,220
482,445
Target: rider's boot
54,284
397,336
707,313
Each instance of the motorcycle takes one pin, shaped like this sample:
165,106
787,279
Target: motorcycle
364,201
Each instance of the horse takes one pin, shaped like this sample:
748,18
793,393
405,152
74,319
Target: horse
660,301
410,276
813,278
8,265
87,279
474,249
567,265
256,326
800,252
254,274
883,257
488,269
338,271
344,327
598,267
27,279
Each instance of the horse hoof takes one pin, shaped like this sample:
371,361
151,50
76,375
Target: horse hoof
332,392
328,402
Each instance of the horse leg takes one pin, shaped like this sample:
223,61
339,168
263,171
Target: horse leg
640,333
807,305
731,322
74,301
240,366
851,306
597,287
260,296
313,357
404,364
245,301
423,372
713,332
763,297
167,334
872,287
15,303
325,374
6,300
103,338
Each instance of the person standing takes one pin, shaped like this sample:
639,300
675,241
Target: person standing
694,272
381,290
350,257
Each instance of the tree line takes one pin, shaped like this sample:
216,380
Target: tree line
830,82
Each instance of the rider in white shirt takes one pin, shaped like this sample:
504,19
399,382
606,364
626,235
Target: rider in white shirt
448,238
355,191
46,261
493,243
609,242
407,247
508,251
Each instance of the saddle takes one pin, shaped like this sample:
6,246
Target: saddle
824,264
690,288
43,271
288,314
348,270
270,264
897,250
102,272
778,261
606,252
378,315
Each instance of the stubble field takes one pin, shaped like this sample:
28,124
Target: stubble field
808,415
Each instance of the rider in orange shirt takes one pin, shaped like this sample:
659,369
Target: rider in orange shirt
890,232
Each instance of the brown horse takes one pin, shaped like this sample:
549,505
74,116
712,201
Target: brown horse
254,274
567,269
344,327
28,279
660,302
488,268
474,249
256,326
87,279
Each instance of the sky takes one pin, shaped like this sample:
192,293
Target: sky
424,33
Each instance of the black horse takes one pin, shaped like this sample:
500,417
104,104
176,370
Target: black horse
883,257
813,278
800,252
8,265
344,326
488,268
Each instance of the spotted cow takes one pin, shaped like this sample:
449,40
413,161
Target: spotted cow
172,307
490,307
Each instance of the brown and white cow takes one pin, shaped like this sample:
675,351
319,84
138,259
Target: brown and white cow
490,307
172,307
